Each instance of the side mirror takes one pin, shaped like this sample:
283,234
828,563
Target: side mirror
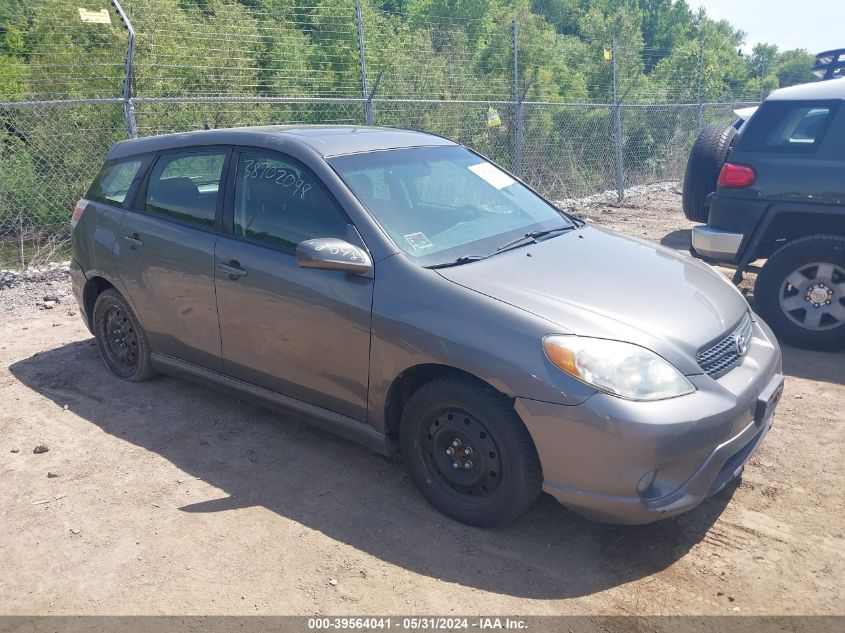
330,253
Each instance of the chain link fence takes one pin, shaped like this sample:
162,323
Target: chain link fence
331,64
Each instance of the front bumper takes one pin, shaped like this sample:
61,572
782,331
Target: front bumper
716,244
597,456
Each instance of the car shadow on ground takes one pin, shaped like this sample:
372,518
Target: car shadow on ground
817,366
680,240
258,458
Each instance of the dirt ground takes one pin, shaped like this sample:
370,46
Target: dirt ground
168,498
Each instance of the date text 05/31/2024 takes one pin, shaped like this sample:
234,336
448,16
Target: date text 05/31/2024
416,623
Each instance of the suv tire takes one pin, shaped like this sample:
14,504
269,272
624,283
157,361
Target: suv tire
705,161
120,338
459,420
803,270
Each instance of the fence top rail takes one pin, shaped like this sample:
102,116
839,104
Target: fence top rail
58,102
358,100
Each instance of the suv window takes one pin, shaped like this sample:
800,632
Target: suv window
185,186
114,181
787,126
281,203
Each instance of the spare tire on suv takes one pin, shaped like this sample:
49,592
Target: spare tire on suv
703,166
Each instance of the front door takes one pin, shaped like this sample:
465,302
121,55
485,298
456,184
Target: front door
165,254
301,332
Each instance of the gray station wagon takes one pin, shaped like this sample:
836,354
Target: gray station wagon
406,293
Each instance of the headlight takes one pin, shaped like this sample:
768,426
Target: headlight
622,369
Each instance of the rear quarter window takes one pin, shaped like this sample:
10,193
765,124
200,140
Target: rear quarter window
788,126
114,181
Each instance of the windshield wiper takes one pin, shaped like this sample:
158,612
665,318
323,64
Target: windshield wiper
531,238
466,259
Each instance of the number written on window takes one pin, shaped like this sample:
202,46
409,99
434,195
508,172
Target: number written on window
280,202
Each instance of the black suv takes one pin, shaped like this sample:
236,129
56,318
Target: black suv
780,196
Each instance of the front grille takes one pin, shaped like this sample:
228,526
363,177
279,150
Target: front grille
723,355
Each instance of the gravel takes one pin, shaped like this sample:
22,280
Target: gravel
45,287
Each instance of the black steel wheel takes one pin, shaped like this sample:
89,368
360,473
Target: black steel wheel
461,456
120,338
468,452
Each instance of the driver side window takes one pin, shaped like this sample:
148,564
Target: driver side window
280,202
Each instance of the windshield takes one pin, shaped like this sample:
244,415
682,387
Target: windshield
442,203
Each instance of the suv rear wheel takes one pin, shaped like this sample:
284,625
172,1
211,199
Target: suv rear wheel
801,292
120,338
469,452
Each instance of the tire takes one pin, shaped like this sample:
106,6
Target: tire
705,161
808,268
120,338
499,474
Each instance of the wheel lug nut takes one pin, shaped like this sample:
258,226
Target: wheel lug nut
467,464
468,450
456,465
450,451
456,443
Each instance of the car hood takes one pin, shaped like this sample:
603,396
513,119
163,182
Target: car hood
595,282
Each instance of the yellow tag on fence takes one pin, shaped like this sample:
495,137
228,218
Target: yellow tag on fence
95,17
493,119
608,54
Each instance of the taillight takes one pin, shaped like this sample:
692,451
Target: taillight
735,176
77,213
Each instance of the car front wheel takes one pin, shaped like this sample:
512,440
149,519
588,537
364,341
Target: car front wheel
800,292
469,452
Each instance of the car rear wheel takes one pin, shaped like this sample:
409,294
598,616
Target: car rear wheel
705,161
801,292
468,451
120,338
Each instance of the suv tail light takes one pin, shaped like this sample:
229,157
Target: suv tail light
735,176
77,213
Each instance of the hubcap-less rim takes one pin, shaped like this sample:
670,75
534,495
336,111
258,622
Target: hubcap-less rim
461,455
813,296
121,338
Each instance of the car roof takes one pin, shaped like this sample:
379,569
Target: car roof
327,140
830,89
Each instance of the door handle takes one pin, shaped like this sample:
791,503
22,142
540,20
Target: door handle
134,241
232,269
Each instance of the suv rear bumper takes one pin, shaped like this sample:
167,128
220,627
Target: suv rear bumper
716,243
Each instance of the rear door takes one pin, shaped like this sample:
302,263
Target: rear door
301,332
165,253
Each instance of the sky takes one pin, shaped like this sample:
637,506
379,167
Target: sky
816,25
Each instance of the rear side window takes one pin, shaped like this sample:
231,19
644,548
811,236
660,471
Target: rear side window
788,126
114,181
185,187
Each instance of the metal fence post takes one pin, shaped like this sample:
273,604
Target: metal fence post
368,103
519,123
762,78
128,106
20,240
617,125
700,120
